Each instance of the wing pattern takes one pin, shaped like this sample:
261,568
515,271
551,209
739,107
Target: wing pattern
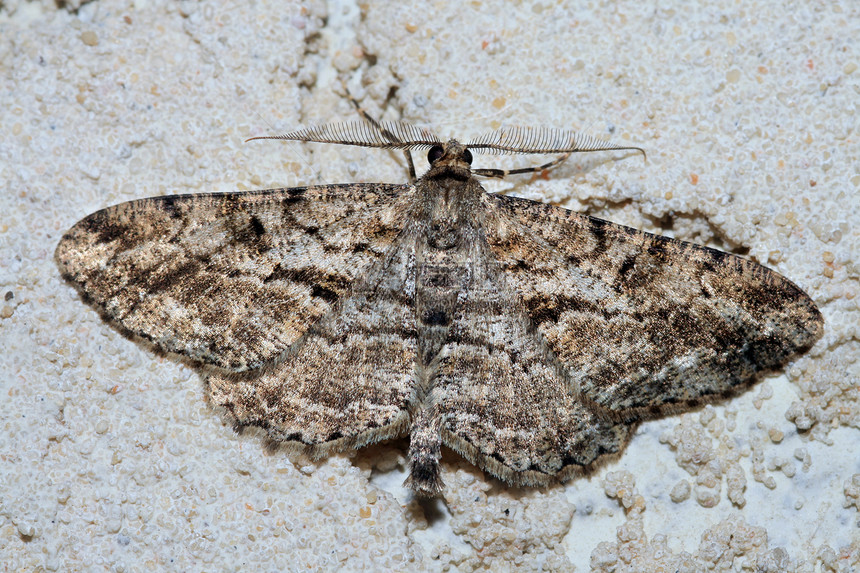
504,399
644,323
349,381
234,279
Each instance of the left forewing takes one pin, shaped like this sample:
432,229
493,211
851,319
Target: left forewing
643,323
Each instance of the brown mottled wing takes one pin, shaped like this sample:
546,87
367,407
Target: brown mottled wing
639,322
349,379
231,280
504,399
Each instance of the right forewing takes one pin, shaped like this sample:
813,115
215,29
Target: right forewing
231,280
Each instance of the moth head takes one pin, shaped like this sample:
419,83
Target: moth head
451,149
451,158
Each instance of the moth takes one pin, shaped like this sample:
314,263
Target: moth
528,338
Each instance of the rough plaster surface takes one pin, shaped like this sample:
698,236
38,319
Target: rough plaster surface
111,460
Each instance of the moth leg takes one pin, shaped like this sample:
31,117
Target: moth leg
502,173
385,133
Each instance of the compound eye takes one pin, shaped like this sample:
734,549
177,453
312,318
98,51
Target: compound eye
467,156
436,152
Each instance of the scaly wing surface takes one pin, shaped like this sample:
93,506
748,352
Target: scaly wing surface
231,280
644,324
350,378
503,398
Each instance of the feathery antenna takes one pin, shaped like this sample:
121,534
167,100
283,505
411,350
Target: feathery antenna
541,140
392,135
